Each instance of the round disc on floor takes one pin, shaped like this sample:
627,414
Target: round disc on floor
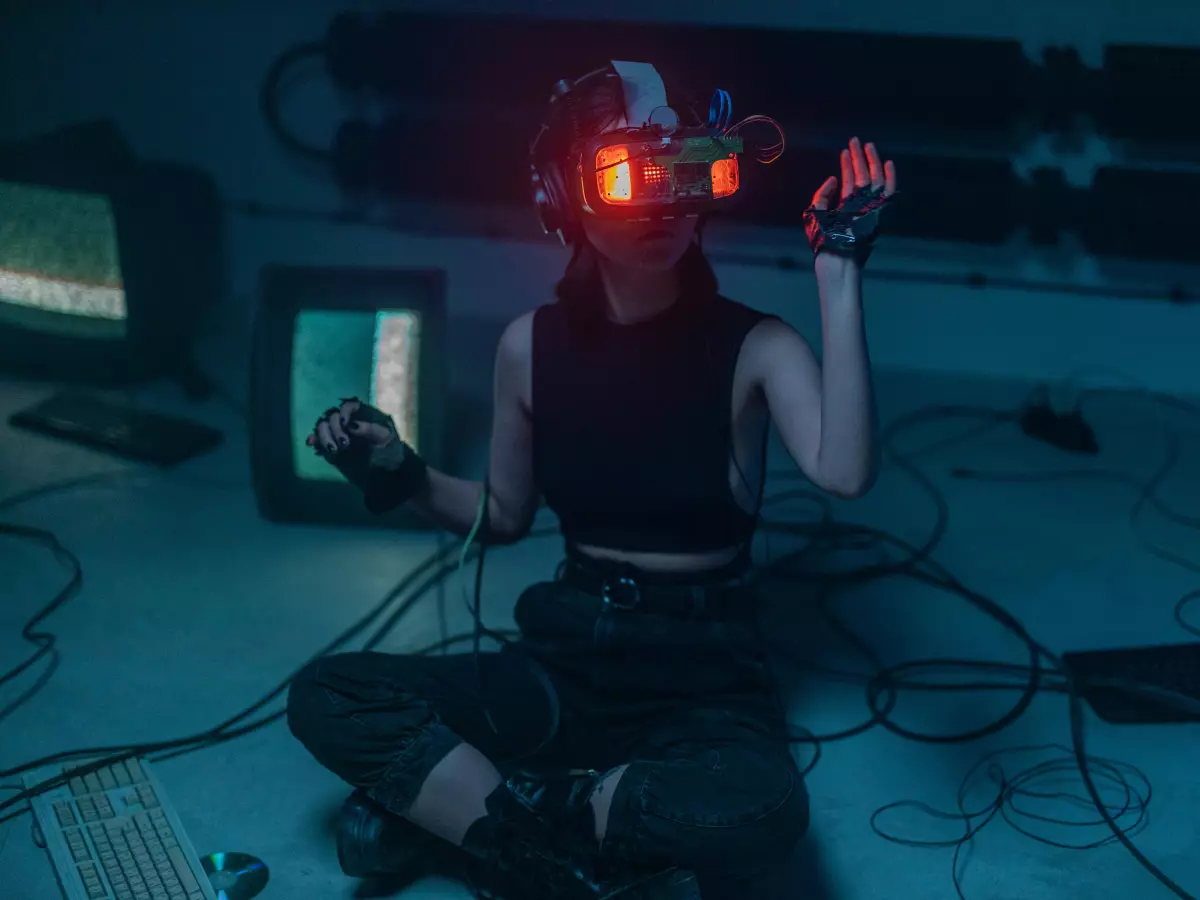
235,876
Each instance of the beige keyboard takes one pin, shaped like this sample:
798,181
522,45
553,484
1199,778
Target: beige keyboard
114,835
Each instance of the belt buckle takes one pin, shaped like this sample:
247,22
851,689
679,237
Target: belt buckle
625,584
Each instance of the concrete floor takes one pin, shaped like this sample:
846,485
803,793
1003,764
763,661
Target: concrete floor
193,607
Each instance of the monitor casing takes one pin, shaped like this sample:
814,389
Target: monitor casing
169,232
286,292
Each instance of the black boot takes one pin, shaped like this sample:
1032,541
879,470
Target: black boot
538,840
373,843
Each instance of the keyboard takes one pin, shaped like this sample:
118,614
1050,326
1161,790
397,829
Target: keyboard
120,429
114,835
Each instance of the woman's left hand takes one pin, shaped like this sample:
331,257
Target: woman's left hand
848,229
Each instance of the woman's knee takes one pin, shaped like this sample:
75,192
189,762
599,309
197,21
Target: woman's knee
772,837
793,821
307,705
732,808
363,690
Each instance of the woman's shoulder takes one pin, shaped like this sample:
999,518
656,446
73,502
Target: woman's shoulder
516,341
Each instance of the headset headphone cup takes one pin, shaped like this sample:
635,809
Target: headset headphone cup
551,199
551,195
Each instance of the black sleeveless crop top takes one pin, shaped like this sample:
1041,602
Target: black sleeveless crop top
632,430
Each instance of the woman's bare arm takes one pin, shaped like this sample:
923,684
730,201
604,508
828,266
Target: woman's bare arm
453,503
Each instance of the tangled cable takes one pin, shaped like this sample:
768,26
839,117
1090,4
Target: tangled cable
1011,792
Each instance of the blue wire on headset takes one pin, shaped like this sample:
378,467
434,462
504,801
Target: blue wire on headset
720,111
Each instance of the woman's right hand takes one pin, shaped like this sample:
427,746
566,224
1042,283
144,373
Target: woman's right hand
353,425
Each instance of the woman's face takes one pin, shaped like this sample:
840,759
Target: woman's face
645,246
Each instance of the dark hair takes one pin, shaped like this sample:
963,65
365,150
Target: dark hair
598,107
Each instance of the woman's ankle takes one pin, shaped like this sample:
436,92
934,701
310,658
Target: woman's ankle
455,794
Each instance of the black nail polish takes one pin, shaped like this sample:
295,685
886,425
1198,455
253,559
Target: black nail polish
345,442
331,448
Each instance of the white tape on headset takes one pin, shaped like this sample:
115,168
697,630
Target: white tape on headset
644,91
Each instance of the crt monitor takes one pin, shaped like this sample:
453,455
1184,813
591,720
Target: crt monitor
105,263
324,334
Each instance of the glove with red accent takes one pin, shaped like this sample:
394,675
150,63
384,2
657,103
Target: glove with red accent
849,228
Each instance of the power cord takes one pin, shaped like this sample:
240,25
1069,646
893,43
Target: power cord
1184,602
46,642
1026,784
1080,761
230,728
884,684
1147,490
916,564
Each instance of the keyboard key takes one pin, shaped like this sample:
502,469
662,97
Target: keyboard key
77,845
147,796
91,881
64,813
119,835
183,870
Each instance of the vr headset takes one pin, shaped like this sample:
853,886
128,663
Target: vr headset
648,167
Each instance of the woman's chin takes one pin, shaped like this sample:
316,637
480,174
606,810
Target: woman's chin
656,258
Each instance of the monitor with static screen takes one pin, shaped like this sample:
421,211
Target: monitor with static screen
106,262
324,334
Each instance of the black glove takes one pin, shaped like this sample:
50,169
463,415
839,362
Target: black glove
387,470
849,229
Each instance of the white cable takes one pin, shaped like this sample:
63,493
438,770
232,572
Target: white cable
462,555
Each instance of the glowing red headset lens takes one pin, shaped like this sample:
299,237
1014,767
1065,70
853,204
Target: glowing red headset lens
725,177
623,179
614,177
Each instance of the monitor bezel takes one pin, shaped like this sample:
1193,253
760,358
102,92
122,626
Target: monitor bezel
285,292
168,231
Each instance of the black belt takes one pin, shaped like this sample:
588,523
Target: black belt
624,589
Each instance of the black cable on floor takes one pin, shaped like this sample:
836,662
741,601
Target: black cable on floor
915,563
